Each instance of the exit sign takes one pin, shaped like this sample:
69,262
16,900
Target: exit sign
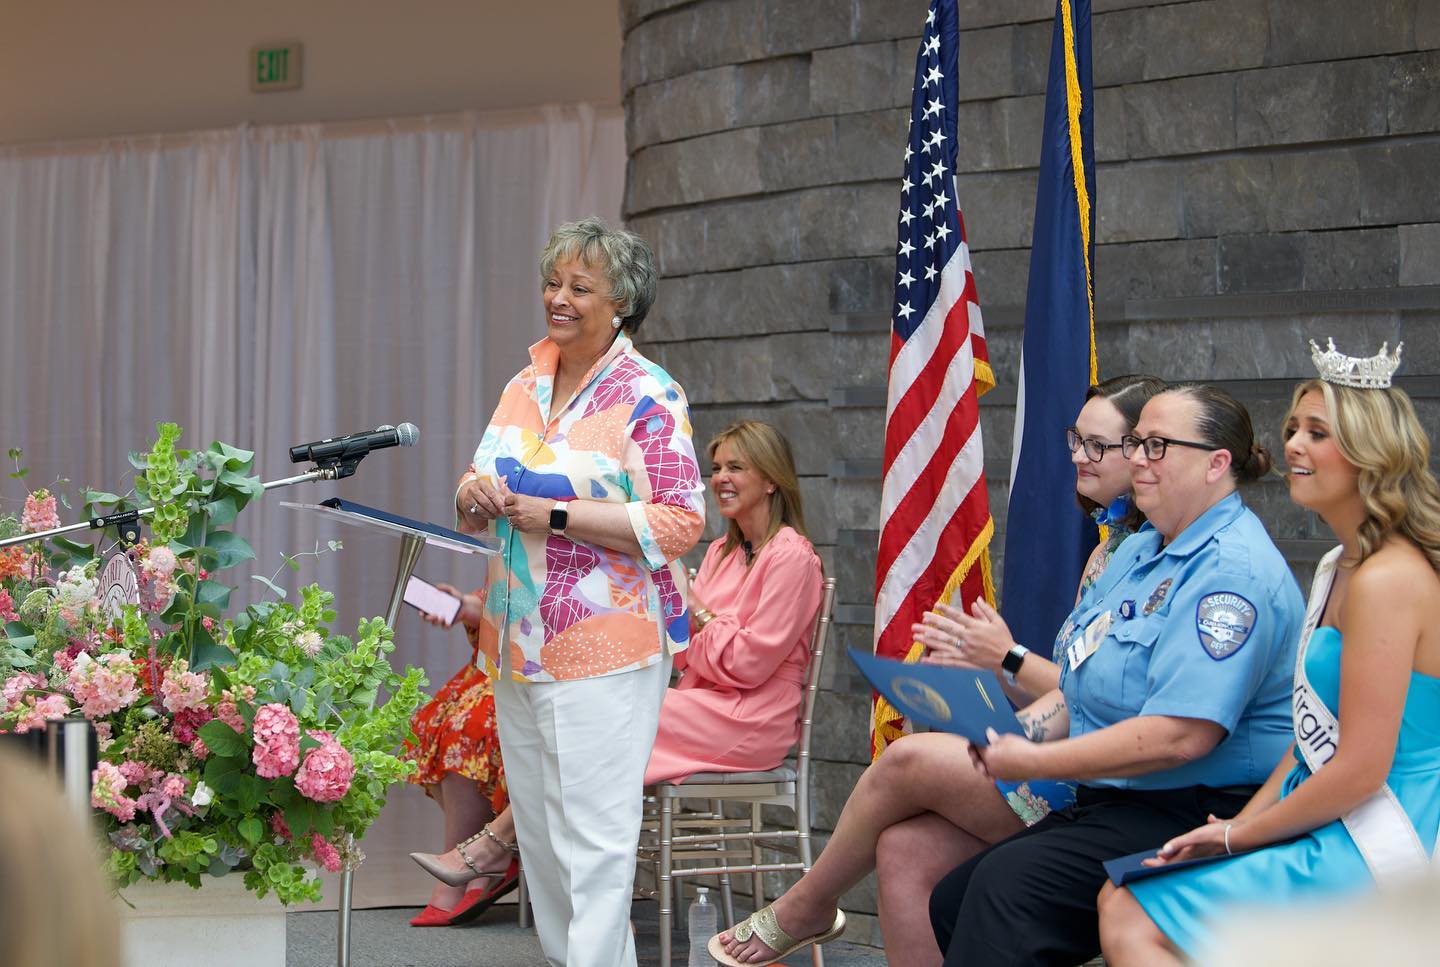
275,67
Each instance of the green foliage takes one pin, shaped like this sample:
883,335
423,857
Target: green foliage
184,798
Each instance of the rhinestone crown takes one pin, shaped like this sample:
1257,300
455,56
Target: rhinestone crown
1371,372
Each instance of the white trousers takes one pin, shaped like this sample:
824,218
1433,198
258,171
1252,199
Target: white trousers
575,756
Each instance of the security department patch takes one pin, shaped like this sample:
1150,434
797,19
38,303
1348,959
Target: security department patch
1224,621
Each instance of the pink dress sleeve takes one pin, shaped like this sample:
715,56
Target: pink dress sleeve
786,590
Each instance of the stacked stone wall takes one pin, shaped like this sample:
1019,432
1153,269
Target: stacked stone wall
1267,170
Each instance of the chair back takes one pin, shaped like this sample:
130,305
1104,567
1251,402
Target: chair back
823,621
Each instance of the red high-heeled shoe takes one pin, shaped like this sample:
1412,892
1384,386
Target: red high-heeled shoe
478,901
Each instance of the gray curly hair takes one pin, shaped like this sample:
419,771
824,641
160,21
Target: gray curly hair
623,257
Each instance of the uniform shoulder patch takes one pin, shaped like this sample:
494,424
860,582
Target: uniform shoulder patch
1224,621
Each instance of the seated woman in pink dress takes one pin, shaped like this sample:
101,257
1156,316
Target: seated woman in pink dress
753,604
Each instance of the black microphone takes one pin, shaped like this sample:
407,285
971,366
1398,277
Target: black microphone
356,445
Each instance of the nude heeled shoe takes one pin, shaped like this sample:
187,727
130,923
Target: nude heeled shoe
431,864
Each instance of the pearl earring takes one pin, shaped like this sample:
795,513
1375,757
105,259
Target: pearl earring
615,323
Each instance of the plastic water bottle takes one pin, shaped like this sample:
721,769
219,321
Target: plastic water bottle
704,924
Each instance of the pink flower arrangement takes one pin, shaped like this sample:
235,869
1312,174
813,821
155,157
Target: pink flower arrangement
104,685
107,792
277,741
47,709
183,689
325,774
40,513
325,853
17,685
7,606
281,828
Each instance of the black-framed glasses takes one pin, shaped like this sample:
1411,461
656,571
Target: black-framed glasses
1094,449
1155,446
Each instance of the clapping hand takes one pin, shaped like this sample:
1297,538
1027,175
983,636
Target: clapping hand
980,639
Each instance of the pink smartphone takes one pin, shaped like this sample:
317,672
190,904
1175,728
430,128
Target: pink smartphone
424,596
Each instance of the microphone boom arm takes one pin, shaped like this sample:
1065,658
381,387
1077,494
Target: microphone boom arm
132,517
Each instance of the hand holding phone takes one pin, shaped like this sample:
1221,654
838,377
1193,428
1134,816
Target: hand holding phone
427,598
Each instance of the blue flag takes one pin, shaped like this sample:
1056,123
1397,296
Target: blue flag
1047,538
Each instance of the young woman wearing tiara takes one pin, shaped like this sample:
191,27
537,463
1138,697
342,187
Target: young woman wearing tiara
1358,457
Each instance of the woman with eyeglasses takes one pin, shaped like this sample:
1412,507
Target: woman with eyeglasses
1356,803
923,808
1173,700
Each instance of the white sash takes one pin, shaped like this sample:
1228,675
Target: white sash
1379,826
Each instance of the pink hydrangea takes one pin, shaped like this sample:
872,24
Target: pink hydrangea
228,713
277,741
183,689
172,786
325,774
325,853
137,773
199,749
107,792
103,685
17,685
280,827
7,606
40,513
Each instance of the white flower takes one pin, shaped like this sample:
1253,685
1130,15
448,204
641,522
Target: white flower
202,796
309,642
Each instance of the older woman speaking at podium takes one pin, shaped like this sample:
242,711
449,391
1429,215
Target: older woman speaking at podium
587,476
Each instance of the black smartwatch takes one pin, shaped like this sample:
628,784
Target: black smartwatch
560,518
1012,661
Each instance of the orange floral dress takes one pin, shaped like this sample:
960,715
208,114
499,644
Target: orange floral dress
455,732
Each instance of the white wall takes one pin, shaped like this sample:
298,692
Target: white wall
85,68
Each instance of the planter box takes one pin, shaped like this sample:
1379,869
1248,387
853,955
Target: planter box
219,925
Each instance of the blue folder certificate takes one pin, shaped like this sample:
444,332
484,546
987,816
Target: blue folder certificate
1128,869
965,701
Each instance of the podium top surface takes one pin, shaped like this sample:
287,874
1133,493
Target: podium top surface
371,518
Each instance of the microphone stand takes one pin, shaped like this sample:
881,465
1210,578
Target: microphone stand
128,521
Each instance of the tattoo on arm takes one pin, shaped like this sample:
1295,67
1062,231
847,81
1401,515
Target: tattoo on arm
1040,725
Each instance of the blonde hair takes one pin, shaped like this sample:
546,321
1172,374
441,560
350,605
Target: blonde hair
1378,432
57,908
768,453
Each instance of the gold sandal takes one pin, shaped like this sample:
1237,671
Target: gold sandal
762,924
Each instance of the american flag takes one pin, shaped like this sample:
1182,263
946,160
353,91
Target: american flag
935,524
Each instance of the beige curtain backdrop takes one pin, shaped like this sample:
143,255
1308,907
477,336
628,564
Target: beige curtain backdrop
267,286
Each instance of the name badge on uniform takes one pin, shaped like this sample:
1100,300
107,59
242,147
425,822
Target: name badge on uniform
1086,644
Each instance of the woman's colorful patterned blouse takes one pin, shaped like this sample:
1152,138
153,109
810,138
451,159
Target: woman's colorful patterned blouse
569,609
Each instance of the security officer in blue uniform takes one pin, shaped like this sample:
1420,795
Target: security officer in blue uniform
1174,698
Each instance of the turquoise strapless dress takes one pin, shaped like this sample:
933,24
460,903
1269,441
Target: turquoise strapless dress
1321,864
